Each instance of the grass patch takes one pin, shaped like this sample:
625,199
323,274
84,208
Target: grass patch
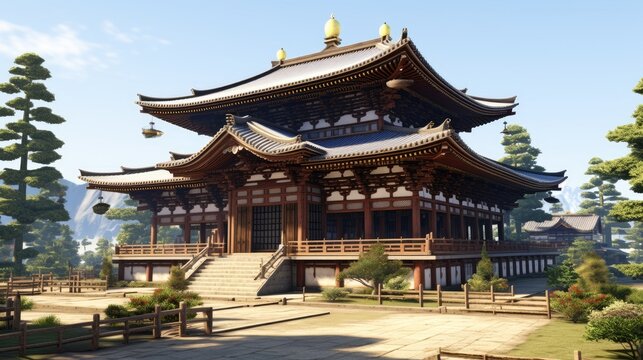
560,338
46,321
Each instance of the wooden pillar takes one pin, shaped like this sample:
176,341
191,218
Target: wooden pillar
232,213
463,235
433,275
338,282
418,274
186,227
415,217
220,226
463,277
301,274
302,214
148,271
368,217
202,236
434,219
121,271
501,227
448,273
448,220
154,228
476,225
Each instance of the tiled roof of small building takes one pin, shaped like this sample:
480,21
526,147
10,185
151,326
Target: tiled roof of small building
581,223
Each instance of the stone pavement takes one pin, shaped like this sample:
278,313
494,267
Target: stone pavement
344,334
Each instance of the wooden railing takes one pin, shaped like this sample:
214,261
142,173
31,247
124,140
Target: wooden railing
37,284
271,263
93,330
409,246
160,249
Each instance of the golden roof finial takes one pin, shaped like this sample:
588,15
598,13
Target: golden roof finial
332,29
281,55
385,31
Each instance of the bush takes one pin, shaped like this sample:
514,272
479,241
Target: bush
576,303
114,311
26,303
620,323
484,278
593,273
561,276
166,298
137,284
619,292
334,294
177,279
107,270
636,297
397,283
46,321
635,271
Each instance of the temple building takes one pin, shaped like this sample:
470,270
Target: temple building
566,228
318,158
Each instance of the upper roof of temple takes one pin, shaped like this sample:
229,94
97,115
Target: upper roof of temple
391,77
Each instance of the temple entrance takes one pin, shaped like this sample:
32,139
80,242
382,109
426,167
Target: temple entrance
266,228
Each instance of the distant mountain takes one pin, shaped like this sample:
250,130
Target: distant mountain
570,198
83,221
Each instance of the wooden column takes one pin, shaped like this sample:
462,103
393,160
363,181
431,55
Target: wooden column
154,228
434,218
148,271
433,275
186,227
448,272
302,214
418,274
476,224
501,227
368,217
203,238
301,274
220,226
338,282
415,217
448,220
463,235
232,213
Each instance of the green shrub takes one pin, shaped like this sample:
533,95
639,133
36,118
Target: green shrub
114,311
138,284
619,292
107,270
334,294
26,303
484,277
593,273
166,298
636,297
635,271
397,283
177,279
576,303
561,276
46,321
620,323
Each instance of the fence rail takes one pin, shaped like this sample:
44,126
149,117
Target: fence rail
94,331
38,284
411,246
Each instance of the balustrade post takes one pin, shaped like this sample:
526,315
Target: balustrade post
156,331
421,295
379,294
208,321
548,304
22,339
17,311
439,290
466,296
95,331
182,319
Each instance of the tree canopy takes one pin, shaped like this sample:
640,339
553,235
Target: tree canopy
136,229
373,268
628,167
29,145
521,154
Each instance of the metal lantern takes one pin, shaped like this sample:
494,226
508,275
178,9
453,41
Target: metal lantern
100,208
151,132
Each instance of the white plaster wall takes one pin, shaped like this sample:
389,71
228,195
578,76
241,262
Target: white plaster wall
134,273
511,268
530,263
320,277
381,193
495,268
402,192
322,124
306,126
335,196
524,267
542,265
441,275
455,275
468,271
160,273
346,119
427,278
355,195
381,170
504,268
550,261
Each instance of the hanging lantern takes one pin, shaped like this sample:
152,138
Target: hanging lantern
505,131
151,132
100,208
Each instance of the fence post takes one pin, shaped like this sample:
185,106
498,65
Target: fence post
548,304
51,282
182,319
33,284
95,331
59,340
379,294
17,311
493,295
577,355
421,295
208,321
303,294
126,332
22,338
8,312
438,287
512,290
42,283
156,332
466,296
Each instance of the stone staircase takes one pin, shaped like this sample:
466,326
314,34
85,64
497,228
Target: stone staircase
229,275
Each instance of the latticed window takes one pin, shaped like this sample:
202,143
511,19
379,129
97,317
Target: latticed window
315,222
266,227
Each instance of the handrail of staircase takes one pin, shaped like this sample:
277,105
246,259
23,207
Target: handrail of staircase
188,267
281,252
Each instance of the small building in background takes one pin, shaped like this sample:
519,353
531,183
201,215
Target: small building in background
565,228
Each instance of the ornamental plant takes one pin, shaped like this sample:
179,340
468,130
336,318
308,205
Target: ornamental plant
621,323
576,303
167,298
484,278
634,271
334,294
373,268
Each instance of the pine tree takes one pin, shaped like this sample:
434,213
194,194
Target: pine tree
521,155
136,230
556,208
600,195
56,253
635,236
628,167
30,145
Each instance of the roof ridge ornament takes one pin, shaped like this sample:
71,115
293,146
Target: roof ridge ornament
229,120
385,32
332,28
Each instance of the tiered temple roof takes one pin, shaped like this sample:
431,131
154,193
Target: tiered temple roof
580,223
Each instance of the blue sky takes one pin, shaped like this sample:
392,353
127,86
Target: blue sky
572,64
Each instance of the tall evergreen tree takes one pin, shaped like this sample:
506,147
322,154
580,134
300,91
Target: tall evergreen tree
635,236
628,167
522,155
600,195
29,145
56,249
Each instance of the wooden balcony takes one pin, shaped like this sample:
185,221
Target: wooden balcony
411,246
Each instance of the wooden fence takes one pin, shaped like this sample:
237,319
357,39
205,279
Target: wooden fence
38,284
466,300
11,312
447,354
93,330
